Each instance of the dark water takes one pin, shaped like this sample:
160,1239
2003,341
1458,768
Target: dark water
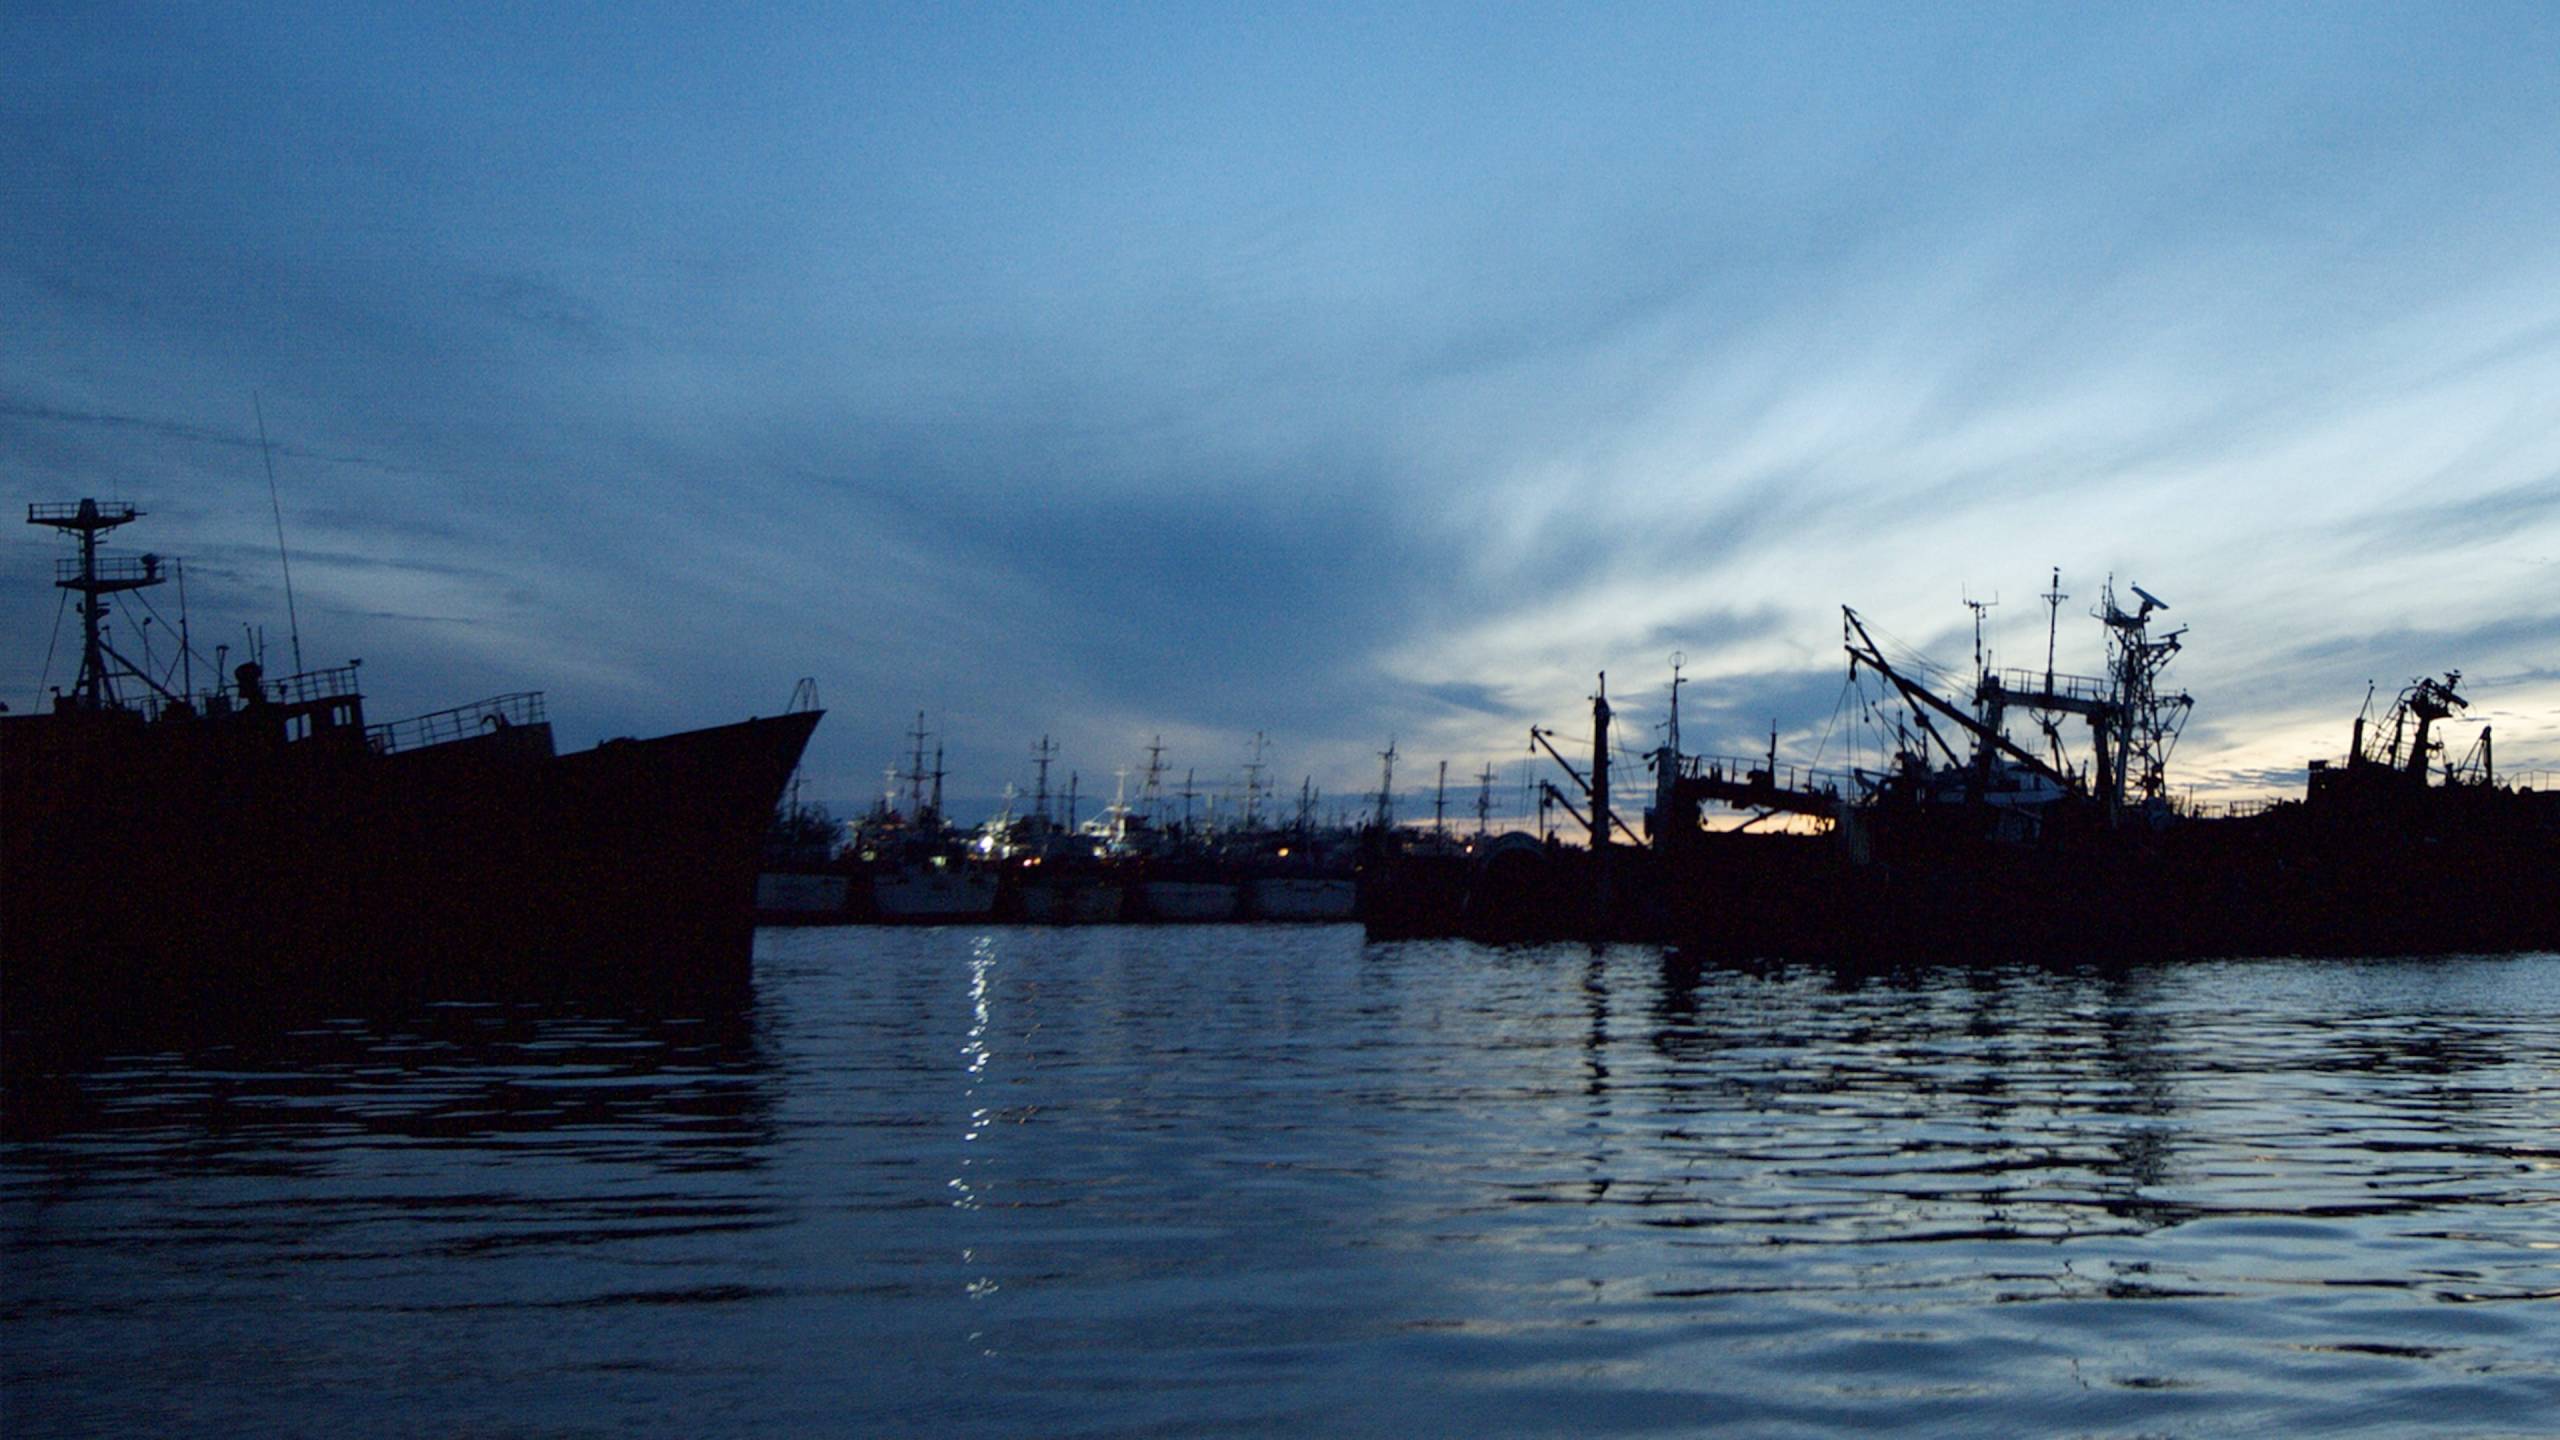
1279,1181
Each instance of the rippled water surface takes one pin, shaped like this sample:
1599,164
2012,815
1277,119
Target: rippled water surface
1018,1182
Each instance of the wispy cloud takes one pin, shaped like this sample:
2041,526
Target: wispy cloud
1319,380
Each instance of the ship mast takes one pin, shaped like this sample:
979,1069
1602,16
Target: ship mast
916,772
1253,780
1041,755
1666,761
1981,669
1151,799
1600,716
2147,722
1387,786
93,579
2053,599
1863,651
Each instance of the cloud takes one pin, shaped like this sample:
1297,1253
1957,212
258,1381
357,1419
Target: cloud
1309,380
195,434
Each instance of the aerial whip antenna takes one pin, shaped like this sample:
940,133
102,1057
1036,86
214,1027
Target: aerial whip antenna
292,617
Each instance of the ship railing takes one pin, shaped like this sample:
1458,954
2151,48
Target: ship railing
2227,809
462,722
112,570
135,699
312,685
47,512
1737,770
2018,685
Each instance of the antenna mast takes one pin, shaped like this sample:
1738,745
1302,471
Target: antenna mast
1978,607
1666,761
1041,755
293,617
1387,786
1253,780
915,772
2053,599
93,579
1151,799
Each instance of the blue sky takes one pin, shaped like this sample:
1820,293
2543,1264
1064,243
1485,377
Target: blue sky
1332,372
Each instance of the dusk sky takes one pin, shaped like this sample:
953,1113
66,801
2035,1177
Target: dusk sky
1331,372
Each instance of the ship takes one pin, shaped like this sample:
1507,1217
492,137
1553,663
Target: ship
257,839
1056,876
2030,816
914,867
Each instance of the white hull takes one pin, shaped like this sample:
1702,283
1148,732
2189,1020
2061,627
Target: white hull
1188,899
1071,904
1301,897
788,893
929,896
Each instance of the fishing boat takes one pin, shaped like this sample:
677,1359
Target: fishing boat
1052,875
169,845
931,885
1298,875
2030,815
913,866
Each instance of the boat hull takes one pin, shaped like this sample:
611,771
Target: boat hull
1052,902
1301,898
150,864
933,896
1187,901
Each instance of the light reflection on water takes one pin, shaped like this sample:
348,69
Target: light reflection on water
1277,1180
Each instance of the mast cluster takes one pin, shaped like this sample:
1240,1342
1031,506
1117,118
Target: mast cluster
94,577
2133,723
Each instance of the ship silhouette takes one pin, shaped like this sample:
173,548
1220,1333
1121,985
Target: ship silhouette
2029,819
178,849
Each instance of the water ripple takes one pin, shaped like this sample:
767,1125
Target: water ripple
1281,1181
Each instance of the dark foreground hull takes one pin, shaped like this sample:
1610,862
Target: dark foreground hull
143,868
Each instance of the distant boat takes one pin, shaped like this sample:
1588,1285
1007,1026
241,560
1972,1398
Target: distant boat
932,890
917,868
203,847
1054,876
910,872
1299,875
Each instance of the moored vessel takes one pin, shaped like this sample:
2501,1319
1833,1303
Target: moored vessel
169,846
2031,818
914,868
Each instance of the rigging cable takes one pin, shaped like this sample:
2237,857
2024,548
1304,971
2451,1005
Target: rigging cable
1828,726
45,678
184,647
292,616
